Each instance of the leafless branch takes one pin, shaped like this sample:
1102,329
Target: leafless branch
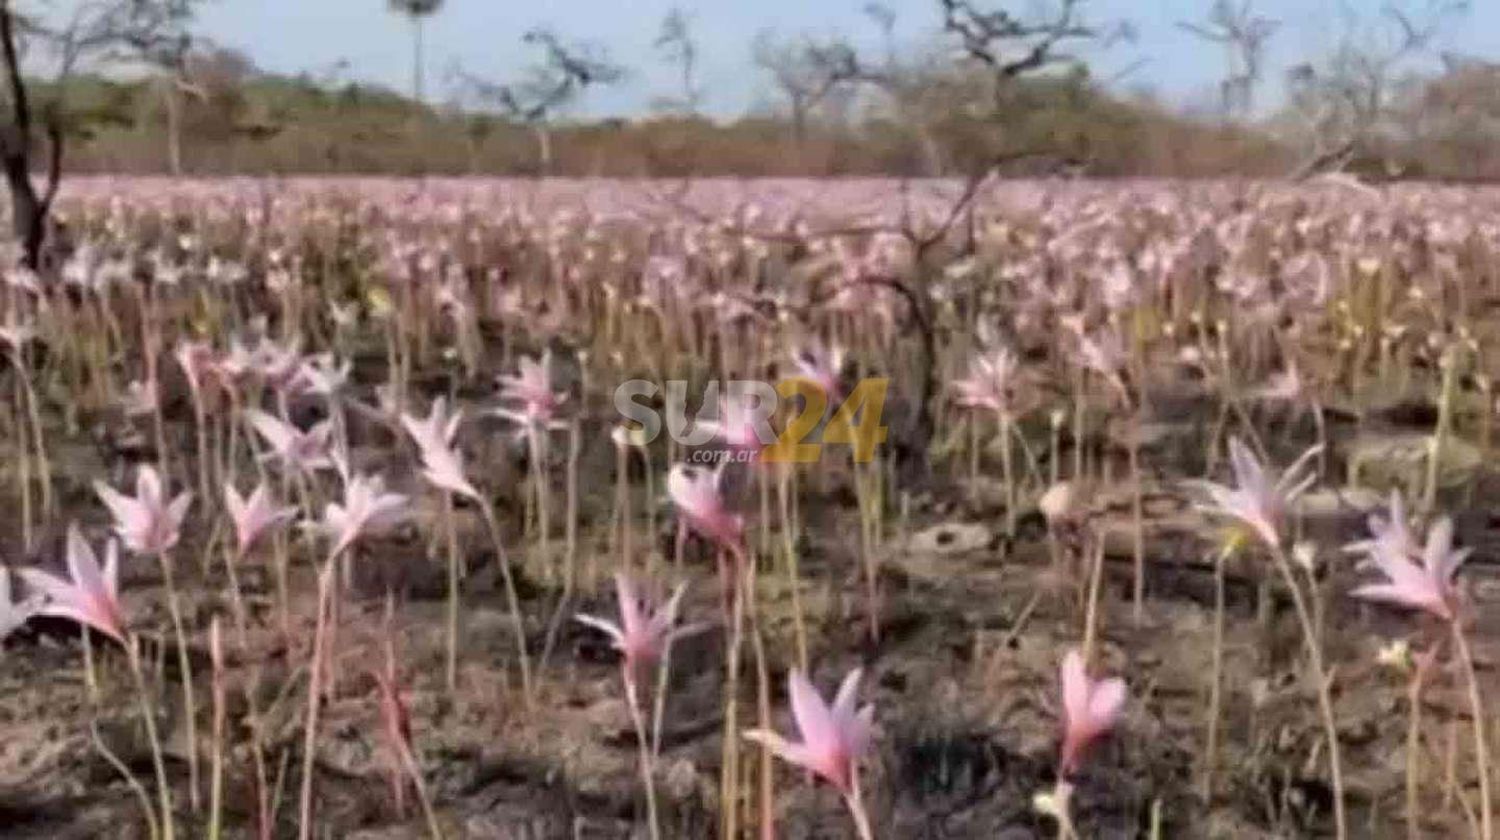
564,71
1345,102
1243,34
1011,46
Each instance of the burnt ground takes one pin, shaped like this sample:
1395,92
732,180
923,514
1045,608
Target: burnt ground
963,675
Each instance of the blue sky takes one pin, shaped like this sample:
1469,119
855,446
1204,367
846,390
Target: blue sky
290,36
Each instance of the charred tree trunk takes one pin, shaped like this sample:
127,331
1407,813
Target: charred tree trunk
28,219
29,210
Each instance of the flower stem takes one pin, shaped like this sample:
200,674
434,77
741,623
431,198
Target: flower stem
784,492
450,670
1481,745
514,602
1438,443
434,829
1137,517
153,828
314,692
538,447
216,773
1091,608
1413,744
1215,684
200,426
763,708
185,665
648,776
33,413
23,480
232,558
1325,697
1007,465
729,772
855,802
868,560
148,715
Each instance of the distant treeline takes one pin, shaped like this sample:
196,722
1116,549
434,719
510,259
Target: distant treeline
235,120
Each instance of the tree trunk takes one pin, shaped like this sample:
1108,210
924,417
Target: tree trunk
174,132
544,147
932,154
799,124
28,211
28,217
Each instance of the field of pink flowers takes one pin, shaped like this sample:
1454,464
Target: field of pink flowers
1065,509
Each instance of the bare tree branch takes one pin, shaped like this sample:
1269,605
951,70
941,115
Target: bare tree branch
806,71
1011,46
102,31
675,41
1344,103
1243,34
564,73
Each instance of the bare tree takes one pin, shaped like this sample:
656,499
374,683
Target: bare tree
805,70
564,72
996,49
1010,46
97,33
219,110
1342,107
917,91
173,83
1243,35
677,46
417,11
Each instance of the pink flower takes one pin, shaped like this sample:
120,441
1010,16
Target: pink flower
147,522
1259,501
367,511
92,597
992,383
322,375
642,634
823,366
737,427
439,430
1389,536
532,389
1090,709
298,450
698,498
197,360
275,365
237,363
1104,355
255,517
1427,587
833,738
441,462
